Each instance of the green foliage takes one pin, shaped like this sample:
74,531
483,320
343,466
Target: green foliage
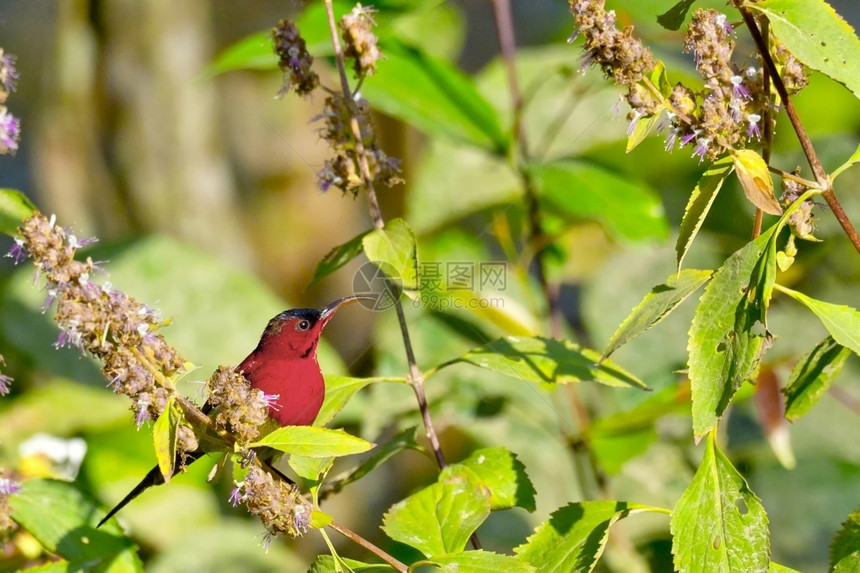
164,436
842,322
700,203
63,519
339,256
313,442
339,390
812,376
818,36
479,562
756,180
326,564
503,475
855,158
547,362
719,524
845,549
394,249
574,537
14,208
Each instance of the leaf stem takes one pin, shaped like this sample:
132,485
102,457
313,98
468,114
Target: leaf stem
805,143
369,546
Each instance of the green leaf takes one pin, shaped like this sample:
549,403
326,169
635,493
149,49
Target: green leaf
700,203
675,16
254,52
441,517
15,207
479,562
756,180
777,568
509,315
433,96
641,129
629,210
164,435
339,390
403,440
574,537
395,251
313,442
818,36
546,361
812,376
656,305
320,519
504,476
719,524
63,519
855,157
845,549
842,322
724,351
339,256
326,564
310,469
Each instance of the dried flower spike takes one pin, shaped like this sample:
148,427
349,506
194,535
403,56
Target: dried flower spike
294,60
360,41
240,410
280,508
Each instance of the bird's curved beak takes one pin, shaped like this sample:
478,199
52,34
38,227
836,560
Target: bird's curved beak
328,310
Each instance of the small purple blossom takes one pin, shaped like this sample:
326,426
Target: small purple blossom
10,132
690,137
752,128
8,73
142,415
671,138
722,21
301,518
268,537
751,73
235,495
9,487
49,299
4,384
271,401
738,89
701,148
77,243
17,253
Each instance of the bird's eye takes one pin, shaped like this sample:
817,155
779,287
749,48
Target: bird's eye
303,325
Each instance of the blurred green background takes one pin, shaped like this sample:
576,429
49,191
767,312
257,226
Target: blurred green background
203,192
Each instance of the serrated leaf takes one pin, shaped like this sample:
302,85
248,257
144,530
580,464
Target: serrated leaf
777,568
842,322
395,251
812,376
503,475
326,564
479,562
339,390
433,96
15,207
63,519
641,129
700,203
403,440
672,18
574,537
817,36
313,442
845,549
164,436
723,349
440,518
629,210
339,256
656,305
546,361
719,524
855,157
756,180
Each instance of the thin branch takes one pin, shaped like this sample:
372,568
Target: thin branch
805,143
793,177
767,136
369,546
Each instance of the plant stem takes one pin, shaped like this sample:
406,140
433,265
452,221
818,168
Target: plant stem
767,136
805,143
416,380
368,545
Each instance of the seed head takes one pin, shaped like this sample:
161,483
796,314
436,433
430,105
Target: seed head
294,60
280,508
360,41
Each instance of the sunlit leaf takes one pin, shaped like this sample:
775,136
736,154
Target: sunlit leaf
756,180
313,442
310,469
394,250
254,52
503,475
642,129
723,348
629,210
15,207
480,562
574,537
441,517
656,305
818,36
63,519
546,361
842,322
164,435
339,256
339,390
700,203
326,564
719,524
845,549
812,376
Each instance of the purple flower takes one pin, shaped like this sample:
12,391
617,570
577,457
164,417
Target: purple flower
738,89
690,137
267,540
10,132
9,487
752,128
723,23
271,401
701,148
142,412
4,384
633,122
670,139
235,496
8,73
17,253
49,300
301,518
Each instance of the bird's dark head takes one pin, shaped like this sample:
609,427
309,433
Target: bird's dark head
296,332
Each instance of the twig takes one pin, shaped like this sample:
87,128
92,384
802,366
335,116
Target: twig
805,143
369,546
767,136
792,177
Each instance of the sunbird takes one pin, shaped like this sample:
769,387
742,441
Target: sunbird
284,366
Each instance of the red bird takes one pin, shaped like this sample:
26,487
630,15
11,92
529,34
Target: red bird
284,365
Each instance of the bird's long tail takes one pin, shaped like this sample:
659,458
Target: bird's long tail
152,478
